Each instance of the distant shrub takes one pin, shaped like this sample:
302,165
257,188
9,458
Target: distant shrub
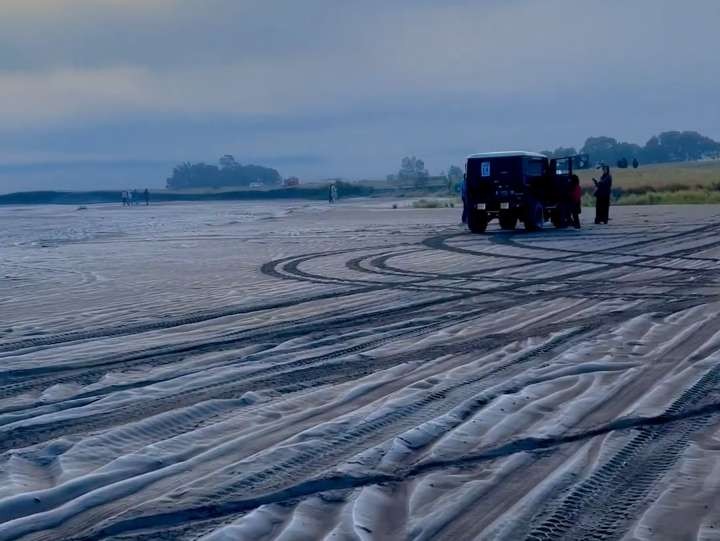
678,197
430,204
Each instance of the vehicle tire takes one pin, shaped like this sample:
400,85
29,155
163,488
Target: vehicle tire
534,216
477,221
508,221
560,218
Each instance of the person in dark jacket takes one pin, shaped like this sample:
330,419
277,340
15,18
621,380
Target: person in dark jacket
603,188
463,195
575,201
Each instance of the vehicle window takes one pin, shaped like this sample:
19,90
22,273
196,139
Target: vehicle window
494,168
535,168
581,161
562,167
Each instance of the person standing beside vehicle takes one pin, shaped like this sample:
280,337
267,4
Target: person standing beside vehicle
463,195
575,201
603,188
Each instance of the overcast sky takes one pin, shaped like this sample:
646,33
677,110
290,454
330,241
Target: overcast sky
324,88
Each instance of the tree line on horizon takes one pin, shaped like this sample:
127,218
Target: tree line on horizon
228,172
669,146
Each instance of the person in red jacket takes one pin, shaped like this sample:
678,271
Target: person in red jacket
575,201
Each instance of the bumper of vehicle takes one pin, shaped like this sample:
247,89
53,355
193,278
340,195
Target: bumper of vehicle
497,206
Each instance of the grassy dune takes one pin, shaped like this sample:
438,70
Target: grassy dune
690,174
676,183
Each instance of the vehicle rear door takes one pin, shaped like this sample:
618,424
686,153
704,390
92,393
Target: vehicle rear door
561,170
536,178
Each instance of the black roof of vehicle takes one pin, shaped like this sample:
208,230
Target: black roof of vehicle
507,154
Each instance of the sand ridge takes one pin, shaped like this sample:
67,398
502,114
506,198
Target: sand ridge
239,371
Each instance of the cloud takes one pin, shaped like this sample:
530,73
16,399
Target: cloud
352,82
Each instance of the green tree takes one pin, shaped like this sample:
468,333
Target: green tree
455,173
600,149
413,169
563,152
228,162
560,152
608,150
231,173
675,146
454,177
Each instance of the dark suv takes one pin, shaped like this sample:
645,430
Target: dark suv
512,186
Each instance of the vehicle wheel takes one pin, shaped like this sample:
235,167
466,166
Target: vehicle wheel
535,216
559,218
478,221
508,221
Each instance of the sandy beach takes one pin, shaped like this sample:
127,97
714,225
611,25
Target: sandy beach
295,371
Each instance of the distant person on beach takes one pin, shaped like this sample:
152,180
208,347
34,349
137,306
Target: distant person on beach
129,198
603,189
146,194
575,201
124,197
332,195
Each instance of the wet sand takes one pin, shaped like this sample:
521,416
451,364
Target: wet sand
297,372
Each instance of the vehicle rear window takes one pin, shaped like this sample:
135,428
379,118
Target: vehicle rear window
494,167
535,168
